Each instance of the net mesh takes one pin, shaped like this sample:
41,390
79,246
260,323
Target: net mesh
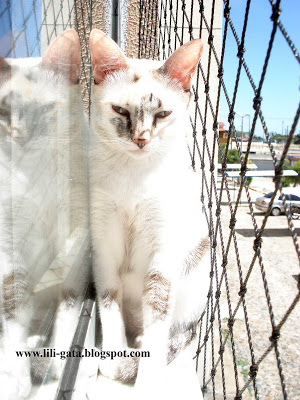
247,333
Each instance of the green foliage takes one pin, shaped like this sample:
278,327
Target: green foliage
257,138
233,158
277,137
297,139
291,180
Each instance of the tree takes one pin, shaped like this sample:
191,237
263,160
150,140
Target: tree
277,137
297,139
295,180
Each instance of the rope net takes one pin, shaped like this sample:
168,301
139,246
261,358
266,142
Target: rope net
247,339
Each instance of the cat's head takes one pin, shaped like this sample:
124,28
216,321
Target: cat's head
31,92
140,106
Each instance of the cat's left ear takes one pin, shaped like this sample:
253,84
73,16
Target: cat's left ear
63,55
181,65
106,55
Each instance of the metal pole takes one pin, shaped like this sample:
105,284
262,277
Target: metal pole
115,21
242,135
249,125
68,379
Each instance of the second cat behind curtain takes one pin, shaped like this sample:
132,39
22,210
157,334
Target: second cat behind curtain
149,236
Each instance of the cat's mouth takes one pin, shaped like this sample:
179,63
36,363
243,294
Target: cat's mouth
139,151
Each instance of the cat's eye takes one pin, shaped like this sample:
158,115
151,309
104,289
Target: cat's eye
120,110
48,107
4,112
163,114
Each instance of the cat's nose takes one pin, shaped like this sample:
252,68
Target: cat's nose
18,137
142,139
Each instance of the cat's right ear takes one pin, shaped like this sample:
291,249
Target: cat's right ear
63,55
106,55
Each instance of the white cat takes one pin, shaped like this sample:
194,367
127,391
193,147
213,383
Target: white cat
43,199
149,237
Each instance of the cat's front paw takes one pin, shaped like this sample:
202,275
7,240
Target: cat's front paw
57,366
123,368
15,383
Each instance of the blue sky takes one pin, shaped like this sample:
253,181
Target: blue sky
281,87
26,44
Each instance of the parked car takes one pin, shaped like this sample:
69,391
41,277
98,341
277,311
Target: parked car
292,198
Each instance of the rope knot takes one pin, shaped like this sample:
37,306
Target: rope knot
221,351
220,72
243,291
232,223
241,51
257,102
244,169
230,323
278,175
276,13
231,116
257,243
227,10
275,335
215,125
253,370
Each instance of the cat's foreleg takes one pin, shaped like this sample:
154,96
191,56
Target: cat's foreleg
17,312
64,329
113,332
158,305
108,257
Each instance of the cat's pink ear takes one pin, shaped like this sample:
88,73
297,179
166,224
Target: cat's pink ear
63,55
106,55
181,65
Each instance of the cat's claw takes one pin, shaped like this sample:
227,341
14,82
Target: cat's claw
13,387
124,368
57,367
15,379
109,368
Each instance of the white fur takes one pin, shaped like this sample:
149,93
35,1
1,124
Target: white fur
35,194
